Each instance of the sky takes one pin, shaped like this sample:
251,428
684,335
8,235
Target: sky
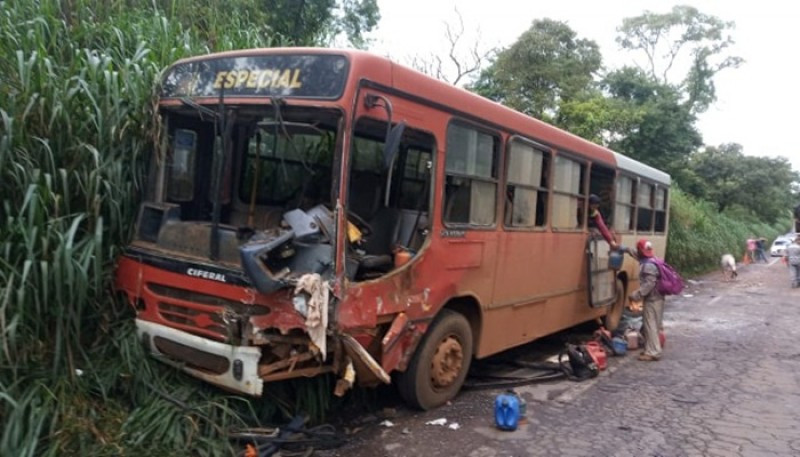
757,104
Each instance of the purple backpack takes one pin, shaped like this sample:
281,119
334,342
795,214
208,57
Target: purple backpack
669,281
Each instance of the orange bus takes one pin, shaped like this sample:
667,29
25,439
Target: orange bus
326,211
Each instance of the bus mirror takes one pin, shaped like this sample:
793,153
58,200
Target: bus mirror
392,144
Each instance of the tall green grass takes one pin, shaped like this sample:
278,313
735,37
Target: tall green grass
699,234
77,100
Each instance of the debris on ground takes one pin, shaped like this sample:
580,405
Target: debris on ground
441,421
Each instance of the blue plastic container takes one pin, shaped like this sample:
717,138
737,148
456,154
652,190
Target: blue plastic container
620,345
615,259
506,411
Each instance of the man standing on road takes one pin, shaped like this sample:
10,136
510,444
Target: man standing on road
791,257
653,301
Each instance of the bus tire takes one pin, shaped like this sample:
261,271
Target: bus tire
614,316
439,366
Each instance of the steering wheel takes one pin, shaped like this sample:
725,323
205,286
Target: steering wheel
360,223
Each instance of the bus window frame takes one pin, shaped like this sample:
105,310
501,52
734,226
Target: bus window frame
652,184
434,157
665,209
584,186
631,205
497,163
549,154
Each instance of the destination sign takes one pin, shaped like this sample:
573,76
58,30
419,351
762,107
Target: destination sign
303,76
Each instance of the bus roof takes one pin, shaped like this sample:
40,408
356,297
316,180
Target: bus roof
625,163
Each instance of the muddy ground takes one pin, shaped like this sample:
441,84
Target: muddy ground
728,385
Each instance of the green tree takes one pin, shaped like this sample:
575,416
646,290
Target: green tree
321,22
683,33
729,179
545,67
658,129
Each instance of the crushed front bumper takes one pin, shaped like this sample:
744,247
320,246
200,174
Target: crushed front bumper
233,368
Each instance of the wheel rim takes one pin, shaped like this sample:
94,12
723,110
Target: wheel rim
447,362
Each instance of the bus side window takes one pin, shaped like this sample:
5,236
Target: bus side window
661,209
644,218
471,181
526,188
626,199
568,193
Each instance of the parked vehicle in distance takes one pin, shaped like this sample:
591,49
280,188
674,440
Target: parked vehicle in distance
778,246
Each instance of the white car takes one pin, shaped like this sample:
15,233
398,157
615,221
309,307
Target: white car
778,246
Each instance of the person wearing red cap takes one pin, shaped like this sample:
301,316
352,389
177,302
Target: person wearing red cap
653,301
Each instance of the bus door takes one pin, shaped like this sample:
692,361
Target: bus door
601,283
601,277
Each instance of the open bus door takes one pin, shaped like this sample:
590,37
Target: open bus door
601,277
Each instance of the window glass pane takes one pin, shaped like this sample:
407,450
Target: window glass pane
469,152
625,190
661,221
482,206
524,165
644,220
645,194
567,176
523,207
623,217
661,198
469,201
566,212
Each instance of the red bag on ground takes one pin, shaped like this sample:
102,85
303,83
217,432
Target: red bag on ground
598,354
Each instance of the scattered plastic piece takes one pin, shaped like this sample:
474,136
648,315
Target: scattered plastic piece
387,423
441,421
454,426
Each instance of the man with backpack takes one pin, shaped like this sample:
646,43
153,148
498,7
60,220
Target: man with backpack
649,274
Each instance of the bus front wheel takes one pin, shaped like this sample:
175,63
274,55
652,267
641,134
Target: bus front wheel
440,364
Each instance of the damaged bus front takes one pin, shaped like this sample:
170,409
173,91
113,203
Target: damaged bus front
233,265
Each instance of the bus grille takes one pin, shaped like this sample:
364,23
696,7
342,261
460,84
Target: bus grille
199,321
194,358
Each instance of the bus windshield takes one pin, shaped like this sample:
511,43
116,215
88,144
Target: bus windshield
272,163
242,174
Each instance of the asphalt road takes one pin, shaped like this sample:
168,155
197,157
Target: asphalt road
728,385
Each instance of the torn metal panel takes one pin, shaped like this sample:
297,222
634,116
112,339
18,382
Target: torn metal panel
368,370
240,374
391,351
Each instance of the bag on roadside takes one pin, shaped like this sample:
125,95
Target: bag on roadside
579,365
669,281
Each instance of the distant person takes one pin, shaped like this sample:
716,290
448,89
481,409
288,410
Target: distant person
596,221
791,257
652,299
751,249
797,219
760,255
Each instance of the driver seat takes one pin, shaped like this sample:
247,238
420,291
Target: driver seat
379,245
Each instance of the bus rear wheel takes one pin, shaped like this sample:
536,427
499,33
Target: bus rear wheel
614,315
440,364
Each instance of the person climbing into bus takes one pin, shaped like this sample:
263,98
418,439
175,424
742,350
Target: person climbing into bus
596,221
653,301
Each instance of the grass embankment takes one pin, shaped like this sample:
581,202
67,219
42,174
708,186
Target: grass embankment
77,85
699,234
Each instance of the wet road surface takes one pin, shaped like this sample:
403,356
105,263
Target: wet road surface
727,385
